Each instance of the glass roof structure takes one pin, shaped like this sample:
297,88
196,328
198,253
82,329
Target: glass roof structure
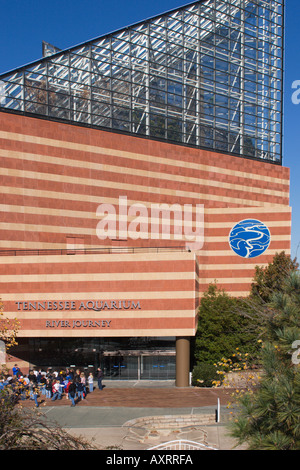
208,74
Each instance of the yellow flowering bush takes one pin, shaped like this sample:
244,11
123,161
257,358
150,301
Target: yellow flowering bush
236,373
8,329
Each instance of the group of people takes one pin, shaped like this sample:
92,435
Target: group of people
53,385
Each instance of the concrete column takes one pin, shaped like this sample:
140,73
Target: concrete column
2,353
182,361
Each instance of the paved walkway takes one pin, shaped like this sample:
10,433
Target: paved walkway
104,415
157,396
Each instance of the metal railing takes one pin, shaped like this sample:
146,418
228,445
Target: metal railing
89,251
182,444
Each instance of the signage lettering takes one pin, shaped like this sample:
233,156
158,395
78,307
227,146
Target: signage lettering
78,324
96,305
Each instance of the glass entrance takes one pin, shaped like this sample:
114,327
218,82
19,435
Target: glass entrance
120,367
119,358
139,367
158,367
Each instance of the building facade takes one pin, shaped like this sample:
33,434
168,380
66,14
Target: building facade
137,168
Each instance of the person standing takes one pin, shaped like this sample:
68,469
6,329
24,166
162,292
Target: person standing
32,376
16,371
42,384
48,388
72,392
33,392
80,389
91,382
100,378
65,384
83,381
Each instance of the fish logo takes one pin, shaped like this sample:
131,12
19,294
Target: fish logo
249,238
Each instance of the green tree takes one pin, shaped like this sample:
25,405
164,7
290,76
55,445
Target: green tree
270,278
268,419
221,329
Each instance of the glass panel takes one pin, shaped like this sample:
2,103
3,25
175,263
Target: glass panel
120,367
158,367
120,358
231,49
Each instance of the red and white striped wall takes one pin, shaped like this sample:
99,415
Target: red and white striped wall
55,176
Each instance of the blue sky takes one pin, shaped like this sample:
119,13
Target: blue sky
65,23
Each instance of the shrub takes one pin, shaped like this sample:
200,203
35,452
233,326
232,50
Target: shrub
204,374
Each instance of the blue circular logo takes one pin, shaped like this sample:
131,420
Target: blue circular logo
249,238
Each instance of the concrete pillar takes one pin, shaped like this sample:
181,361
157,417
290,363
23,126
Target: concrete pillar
2,353
182,361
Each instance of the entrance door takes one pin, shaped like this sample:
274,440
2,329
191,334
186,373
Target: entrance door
135,367
158,367
120,367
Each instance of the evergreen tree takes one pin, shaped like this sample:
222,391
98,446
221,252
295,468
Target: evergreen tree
269,418
270,278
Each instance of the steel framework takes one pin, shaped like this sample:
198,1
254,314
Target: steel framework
208,74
